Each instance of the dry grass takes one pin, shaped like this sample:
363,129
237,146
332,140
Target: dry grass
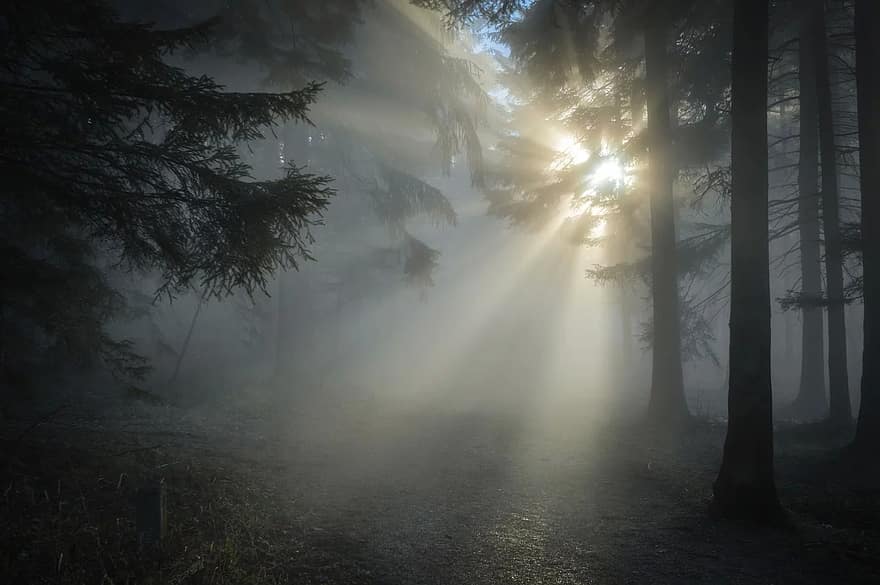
68,503
453,500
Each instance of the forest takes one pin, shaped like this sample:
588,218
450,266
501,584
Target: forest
399,292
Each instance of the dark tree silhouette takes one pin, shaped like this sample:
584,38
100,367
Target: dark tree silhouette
841,411
745,484
867,21
114,158
810,401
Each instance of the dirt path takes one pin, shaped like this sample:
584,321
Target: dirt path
429,497
484,500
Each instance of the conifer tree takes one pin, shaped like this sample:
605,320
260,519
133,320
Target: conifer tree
597,90
867,16
745,485
112,157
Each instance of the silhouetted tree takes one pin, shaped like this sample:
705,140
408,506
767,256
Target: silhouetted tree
810,401
114,158
745,485
840,411
867,21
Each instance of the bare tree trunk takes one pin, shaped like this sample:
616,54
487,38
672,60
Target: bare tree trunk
868,82
841,411
811,401
745,486
667,405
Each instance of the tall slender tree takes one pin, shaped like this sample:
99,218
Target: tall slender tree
841,411
539,42
867,22
745,485
667,403
811,401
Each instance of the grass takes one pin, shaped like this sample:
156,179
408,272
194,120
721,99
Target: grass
413,497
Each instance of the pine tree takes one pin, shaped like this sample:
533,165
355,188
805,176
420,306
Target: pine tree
421,77
867,18
810,401
745,486
114,158
416,70
840,408
667,404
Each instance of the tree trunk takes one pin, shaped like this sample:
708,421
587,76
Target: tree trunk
854,317
745,486
810,402
841,411
667,405
868,84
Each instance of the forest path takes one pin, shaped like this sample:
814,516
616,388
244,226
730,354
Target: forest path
446,497
388,495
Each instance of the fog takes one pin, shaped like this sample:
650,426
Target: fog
508,323
450,291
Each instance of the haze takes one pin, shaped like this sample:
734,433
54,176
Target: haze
441,291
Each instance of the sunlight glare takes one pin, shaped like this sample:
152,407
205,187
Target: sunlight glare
609,170
569,152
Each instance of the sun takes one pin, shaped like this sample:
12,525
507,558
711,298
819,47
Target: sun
610,170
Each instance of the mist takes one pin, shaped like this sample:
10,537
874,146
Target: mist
392,291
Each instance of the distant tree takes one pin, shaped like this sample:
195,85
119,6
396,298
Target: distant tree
372,132
745,485
840,408
821,121
585,65
810,401
113,158
667,382
420,79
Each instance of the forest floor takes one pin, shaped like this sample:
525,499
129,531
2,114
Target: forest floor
414,495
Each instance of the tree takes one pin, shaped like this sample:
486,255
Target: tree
667,402
372,133
584,81
841,411
114,158
867,19
745,485
810,401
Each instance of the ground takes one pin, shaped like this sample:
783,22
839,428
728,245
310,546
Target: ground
356,494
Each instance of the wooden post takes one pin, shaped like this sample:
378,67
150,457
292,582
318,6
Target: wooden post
151,515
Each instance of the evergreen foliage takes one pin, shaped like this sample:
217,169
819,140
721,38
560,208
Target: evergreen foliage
114,158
